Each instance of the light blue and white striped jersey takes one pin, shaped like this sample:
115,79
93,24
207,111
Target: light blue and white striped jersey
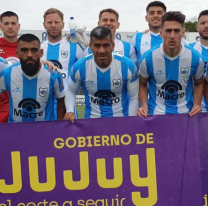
4,64
31,98
122,48
143,42
171,79
109,92
204,53
63,54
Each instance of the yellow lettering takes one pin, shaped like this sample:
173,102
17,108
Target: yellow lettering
34,175
73,144
31,204
101,201
84,173
81,142
53,203
21,204
67,202
150,138
17,176
44,203
59,143
150,181
118,174
125,136
81,202
2,204
115,140
205,200
97,141
89,141
105,141
140,139
90,202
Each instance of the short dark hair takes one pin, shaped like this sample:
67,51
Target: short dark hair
156,3
100,32
8,14
28,38
110,11
203,13
174,16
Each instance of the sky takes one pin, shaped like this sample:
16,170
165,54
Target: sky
85,12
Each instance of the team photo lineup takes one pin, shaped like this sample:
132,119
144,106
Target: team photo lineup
158,72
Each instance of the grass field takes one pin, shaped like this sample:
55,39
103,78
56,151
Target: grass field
80,110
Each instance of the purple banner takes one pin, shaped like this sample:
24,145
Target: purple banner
161,160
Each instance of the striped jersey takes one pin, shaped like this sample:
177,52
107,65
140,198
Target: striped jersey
171,79
204,53
122,48
63,54
31,98
4,64
143,42
109,92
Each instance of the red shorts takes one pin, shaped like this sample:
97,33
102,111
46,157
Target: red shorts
4,117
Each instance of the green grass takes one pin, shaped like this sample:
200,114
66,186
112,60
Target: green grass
80,110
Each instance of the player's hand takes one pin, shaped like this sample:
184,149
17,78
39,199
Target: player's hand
142,111
51,66
195,110
70,116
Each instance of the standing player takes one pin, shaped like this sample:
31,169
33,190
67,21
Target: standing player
31,87
8,46
173,71
61,52
110,82
109,18
202,45
143,42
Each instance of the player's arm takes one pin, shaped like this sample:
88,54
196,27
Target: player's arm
79,52
2,82
198,89
74,83
133,54
143,89
60,94
132,89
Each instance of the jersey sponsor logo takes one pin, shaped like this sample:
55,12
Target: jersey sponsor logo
184,71
116,83
160,72
171,90
43,91
16,89
28,106
13,59
119,52
146,44
59,65
90,83
1,51
105,98
64,54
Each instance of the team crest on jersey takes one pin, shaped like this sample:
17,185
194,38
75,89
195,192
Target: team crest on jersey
64,54
184,71
43,91
117,83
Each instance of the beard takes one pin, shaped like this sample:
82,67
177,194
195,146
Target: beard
30,69
202,36
54,35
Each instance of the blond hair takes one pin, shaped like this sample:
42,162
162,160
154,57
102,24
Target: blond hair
53,11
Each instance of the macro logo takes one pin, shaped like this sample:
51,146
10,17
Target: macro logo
28,107
105,98
59,65
170,90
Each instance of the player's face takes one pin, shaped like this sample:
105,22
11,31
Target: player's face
53,25
202,27
109,20
154,16
172,33
10,26
102,51
29,54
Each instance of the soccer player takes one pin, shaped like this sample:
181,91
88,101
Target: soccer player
110,81
8,46
202,46
31,87
61,52
109,18
143,42
173,71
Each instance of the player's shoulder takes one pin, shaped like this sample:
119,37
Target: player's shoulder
45,43
8,70
192,44
148,54
123,59
84,60
193,51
